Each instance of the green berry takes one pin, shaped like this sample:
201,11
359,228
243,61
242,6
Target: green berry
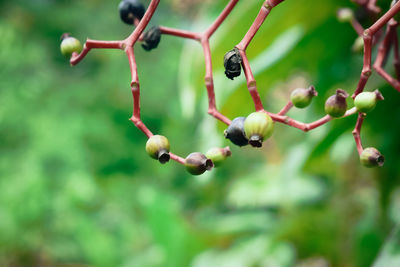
371,157
70,45
197,163
235,132
336,106
301,97
218,155
366,101
258,126
345,15
158,148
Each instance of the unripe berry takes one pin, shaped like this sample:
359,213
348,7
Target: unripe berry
235,132
131,9
151,38
366,101
358,45
69,45
196,163
258,126
301,97
158,148
336,105
232,63
218,155
371,157
345,15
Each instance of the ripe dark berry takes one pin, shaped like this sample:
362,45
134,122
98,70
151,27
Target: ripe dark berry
196,163
218,155
158,148
336,105
235,132
131,9
301,97
151,38
371,157
366,101
69,45
232,63
258,126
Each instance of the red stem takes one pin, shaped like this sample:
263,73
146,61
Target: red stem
357,130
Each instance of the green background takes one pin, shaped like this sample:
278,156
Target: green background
78,189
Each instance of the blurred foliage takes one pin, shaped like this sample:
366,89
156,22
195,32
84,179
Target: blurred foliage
77,188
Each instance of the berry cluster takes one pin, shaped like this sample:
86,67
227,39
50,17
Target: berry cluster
258,126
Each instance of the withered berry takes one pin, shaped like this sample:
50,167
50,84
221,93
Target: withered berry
336,105
371,157
218,155
301,97
196,163
235,132
69,45
131,9
151,38
366,101
232,63
158,148
258,126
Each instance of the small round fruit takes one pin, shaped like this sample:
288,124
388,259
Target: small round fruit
151,38
301,97
366,101
371,157
235,132
336,106
70,45
218,155
345,15
131,9
232,63
197,163
258,126
158,148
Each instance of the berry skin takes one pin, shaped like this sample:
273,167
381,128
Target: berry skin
151,38
258,126
218,155
131,9
158,148
345,15
232,63
371,157
69,45
366,101
301,97
235,132
336,106
196,163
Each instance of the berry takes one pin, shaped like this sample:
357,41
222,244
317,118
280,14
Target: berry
232,63
366,101
151,38
301,97
358,45
345,15
196,163
158,148
131,9
235,132
69,45
336,105
218,155
371,157
258,126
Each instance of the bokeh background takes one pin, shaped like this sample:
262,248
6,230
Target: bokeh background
78,189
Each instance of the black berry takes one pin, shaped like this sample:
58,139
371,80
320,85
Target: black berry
232,63
235,132
151,38
131,9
